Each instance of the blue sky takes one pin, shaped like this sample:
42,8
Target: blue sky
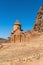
23,10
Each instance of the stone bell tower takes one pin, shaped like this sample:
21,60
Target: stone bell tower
17,25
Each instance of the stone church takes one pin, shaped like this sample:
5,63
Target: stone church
18,35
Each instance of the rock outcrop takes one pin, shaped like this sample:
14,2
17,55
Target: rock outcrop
39,21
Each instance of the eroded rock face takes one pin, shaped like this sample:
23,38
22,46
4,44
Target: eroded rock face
39,21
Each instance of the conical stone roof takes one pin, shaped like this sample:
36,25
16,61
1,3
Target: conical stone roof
17,23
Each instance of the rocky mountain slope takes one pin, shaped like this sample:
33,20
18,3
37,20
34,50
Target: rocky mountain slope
28,53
